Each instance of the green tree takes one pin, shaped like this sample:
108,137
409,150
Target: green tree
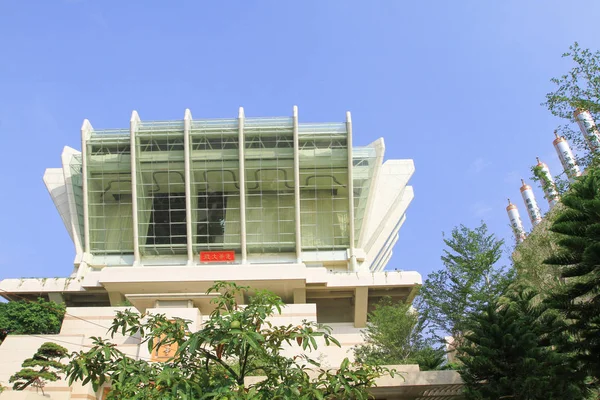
31,317
43,367
508,354
469,281
528,257
578,89
431,358
215,362
394,335
578,263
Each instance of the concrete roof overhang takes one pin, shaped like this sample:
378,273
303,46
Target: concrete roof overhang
282,279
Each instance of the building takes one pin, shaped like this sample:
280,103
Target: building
160,211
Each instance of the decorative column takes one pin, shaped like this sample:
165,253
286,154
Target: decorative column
187,170
588,128
133,126
297,220
86,130
548,186
361,305
515,222
242,179
351,256
566,157
535,216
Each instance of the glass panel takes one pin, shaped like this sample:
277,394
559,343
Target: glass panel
215,185
270,225
215,196
77,184
161,188
167,220
323,187
109,193
362,174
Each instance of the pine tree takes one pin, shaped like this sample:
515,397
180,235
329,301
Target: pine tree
469,280
44,366
508,354
431,359
578,263
394,335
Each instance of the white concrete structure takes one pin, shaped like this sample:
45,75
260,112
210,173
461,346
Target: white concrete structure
565,154
588,128
535,216
236,171
547,182
271,192
515,222
159,211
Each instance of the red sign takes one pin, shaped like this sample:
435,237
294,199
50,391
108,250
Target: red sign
217,256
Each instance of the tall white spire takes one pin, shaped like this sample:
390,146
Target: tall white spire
515,222
535,216
566,156
548,185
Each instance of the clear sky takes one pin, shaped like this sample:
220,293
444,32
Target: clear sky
454,85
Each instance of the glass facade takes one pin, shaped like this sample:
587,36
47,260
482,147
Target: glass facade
269,158
77,185
214,148
161,188
214,154
363,168
109,192
324,193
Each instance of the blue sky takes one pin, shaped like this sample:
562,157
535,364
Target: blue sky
456,86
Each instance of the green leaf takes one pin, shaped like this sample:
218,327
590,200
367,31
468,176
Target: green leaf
196,372
334,341
344,364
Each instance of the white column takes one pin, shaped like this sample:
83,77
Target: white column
352,257
187,170
588,128
297,187
535,216
361,306
86,130
299,295
567,159
547,182
242,179
515,222
56,297
116,299
133,126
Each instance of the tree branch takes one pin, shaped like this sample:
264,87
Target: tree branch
223,364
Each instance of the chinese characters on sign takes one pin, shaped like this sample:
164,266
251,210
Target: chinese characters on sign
217,256
165,352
